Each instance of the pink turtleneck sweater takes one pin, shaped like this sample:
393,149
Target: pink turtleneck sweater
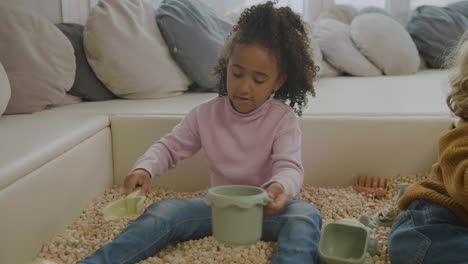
257,148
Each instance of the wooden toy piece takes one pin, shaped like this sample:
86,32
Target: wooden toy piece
371,186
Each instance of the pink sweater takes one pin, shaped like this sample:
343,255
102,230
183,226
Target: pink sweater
257,148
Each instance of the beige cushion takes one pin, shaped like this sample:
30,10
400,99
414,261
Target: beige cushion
38,59
127,51
5,91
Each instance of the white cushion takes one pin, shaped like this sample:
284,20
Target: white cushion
30,141
5,91
338,49
326,70
127,51
38,59
386,43
316,50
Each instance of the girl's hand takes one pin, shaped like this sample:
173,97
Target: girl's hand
138,177
280,199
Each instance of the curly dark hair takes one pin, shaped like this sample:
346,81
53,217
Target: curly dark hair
282,32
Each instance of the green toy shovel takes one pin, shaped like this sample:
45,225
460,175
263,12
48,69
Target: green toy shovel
129,206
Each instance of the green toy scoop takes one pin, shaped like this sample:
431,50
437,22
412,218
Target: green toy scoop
129,206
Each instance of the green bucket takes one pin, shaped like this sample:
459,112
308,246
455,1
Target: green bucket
346,242
237,213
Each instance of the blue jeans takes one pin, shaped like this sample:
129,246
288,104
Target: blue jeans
296,228
428,233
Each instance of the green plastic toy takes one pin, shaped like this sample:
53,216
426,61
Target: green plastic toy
237,213
386,216
346,242
129,206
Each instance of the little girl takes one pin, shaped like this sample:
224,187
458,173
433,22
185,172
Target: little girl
248,135
433,228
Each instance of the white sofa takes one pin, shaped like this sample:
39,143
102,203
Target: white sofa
54,162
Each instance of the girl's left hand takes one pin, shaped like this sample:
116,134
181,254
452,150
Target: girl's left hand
280,199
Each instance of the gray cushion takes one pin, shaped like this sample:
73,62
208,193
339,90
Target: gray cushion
459,7
194,35
436,30
86,85
386,43
37,58
338,49
5,91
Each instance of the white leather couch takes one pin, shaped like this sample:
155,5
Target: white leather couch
54,162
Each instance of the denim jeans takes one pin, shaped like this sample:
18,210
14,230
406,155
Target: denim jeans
296,228
428,233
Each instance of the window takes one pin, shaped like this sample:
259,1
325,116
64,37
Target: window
361,3
416,3
237,6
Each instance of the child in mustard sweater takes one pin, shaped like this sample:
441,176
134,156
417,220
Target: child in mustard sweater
433,224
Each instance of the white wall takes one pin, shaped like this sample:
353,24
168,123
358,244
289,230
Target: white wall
50,9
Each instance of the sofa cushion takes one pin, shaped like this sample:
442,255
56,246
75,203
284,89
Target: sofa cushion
127,52
194,35
338,49
45,201
30,141
386,43
382,96
38,59
177,105
436,30
86,84
5,91
337,96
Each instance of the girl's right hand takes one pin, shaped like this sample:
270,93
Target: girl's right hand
138,177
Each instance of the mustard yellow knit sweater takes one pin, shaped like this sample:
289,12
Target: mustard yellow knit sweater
448,183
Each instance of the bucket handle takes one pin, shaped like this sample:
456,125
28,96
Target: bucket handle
267,200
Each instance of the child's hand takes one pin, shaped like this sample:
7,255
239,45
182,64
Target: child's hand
138,177
280,199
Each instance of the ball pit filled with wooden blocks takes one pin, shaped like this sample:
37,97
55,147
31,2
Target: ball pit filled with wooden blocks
91,230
